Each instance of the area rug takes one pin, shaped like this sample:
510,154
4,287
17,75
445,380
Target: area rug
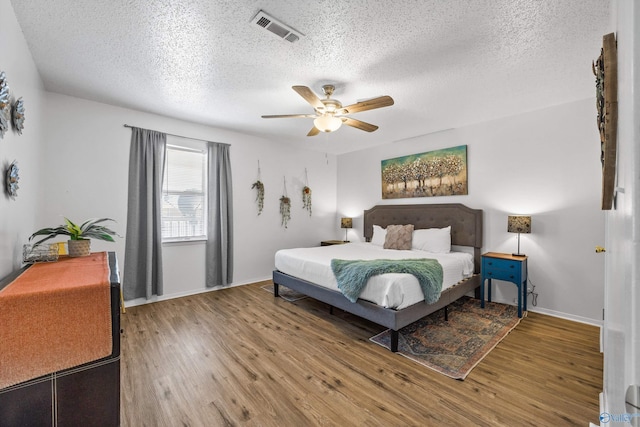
285,293
455,347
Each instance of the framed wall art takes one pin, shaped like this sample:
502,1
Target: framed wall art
434,173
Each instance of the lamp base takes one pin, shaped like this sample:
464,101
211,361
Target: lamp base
520,255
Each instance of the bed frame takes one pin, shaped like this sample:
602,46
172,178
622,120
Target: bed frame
466,230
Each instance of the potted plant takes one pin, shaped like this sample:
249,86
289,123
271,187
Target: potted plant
79,243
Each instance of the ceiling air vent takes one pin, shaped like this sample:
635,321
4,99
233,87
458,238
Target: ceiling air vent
276,27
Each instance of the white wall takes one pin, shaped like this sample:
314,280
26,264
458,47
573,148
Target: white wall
87,151
17,217
544,163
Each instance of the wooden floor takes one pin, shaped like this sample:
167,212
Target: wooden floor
240,357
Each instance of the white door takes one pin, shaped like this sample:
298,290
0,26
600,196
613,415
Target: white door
621,331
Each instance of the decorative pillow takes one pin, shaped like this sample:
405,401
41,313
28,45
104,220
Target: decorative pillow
379,234
398,237
435,240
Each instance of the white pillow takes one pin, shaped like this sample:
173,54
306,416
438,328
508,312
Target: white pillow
434,240
379,235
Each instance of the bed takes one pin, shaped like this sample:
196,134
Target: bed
466,232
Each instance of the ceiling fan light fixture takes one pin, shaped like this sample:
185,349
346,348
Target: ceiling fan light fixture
327,123
330,114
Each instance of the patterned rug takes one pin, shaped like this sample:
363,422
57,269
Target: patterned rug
285,293
455,347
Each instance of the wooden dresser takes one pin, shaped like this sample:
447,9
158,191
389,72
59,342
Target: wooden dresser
85,394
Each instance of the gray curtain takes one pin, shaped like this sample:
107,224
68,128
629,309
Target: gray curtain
219,252
143,251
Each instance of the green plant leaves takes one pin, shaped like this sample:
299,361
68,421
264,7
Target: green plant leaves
88,230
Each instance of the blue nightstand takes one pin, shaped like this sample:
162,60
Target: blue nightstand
508,268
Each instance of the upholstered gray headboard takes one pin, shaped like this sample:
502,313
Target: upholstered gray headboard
466,223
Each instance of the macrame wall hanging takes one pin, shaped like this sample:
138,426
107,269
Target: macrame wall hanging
306,193
285,206
259,186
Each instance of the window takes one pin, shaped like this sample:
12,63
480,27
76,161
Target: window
184,190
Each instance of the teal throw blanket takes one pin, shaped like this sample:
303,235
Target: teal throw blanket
352,275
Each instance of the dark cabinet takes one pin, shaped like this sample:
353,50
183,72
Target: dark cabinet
85,395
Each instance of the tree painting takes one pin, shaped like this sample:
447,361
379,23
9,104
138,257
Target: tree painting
434,173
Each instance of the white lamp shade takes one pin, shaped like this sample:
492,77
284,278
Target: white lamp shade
327,123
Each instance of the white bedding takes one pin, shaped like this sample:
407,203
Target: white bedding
392,290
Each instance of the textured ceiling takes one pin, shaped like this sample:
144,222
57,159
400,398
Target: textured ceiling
446,63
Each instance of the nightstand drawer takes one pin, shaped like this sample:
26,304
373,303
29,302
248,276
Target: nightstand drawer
502,274
492,264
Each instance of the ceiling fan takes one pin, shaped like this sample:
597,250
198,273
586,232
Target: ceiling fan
329,112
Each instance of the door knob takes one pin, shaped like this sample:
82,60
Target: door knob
600,249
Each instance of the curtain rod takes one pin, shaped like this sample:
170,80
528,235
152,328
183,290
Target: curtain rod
179,136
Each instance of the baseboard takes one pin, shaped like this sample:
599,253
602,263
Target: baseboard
603,405
559,314
142,301
567,316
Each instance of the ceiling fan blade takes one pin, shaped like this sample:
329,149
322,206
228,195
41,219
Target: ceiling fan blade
309,96
359,124
289,116
371,104
314,131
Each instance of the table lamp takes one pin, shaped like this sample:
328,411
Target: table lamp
346,223
519,224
